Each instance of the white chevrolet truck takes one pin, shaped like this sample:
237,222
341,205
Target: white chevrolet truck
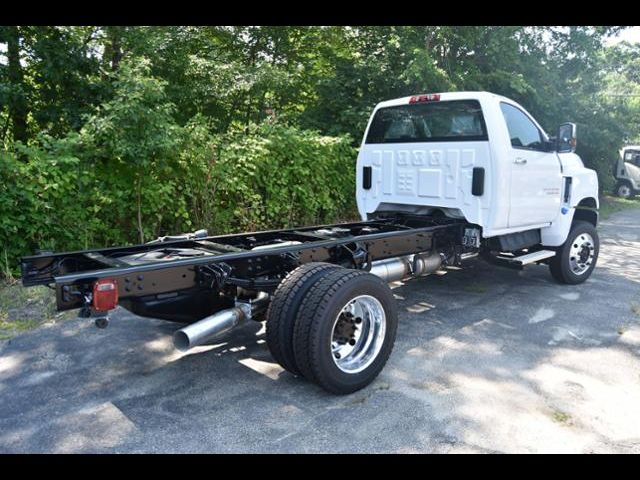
440,178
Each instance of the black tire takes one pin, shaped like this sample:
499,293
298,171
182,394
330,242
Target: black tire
624,189
560,265
313,332
283,311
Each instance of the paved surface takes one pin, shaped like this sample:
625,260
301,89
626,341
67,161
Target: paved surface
486,360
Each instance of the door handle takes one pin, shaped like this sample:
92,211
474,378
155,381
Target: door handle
520,161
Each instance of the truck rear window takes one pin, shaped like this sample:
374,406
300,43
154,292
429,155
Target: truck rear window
448,121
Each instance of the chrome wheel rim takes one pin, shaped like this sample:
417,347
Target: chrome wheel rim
581,253
358,334
624,191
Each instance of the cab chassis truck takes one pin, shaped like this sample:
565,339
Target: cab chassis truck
440,178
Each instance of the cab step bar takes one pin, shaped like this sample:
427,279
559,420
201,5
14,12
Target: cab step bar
522,260
534,257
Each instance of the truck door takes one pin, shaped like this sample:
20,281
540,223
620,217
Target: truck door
536,179
632,166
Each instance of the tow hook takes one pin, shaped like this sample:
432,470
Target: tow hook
101,319
102,322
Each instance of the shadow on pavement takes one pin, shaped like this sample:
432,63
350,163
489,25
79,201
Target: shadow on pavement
486,359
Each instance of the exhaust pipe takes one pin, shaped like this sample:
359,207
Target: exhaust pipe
210,327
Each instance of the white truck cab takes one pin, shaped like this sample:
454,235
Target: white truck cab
627,172
477,156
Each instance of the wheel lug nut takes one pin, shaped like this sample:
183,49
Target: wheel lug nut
337,355
358,320
352,342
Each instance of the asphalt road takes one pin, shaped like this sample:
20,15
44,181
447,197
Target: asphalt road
486,360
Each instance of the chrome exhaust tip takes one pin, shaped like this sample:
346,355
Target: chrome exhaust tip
221,322
207,329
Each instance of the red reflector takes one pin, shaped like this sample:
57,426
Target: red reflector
430,97
105,295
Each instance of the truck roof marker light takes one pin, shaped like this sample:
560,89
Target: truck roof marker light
105,295
430,97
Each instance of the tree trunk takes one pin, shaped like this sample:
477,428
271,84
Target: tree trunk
18,108
5,129
113,47
139,202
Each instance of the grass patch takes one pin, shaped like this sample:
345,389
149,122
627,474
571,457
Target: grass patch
561,417
610,205
383,386
475,287
23,309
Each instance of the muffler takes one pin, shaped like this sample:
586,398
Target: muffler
399,268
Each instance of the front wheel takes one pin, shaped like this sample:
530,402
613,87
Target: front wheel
576,258
624,190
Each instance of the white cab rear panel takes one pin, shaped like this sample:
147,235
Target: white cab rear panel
417,177
409,176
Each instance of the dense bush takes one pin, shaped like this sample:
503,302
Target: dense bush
274,176
132,173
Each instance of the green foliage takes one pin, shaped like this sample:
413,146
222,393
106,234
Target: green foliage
118,134
132,173
277,176
37,204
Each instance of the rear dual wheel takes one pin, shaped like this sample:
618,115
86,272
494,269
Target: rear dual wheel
340,326
283,311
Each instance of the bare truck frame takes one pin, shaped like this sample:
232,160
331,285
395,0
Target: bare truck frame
183,278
